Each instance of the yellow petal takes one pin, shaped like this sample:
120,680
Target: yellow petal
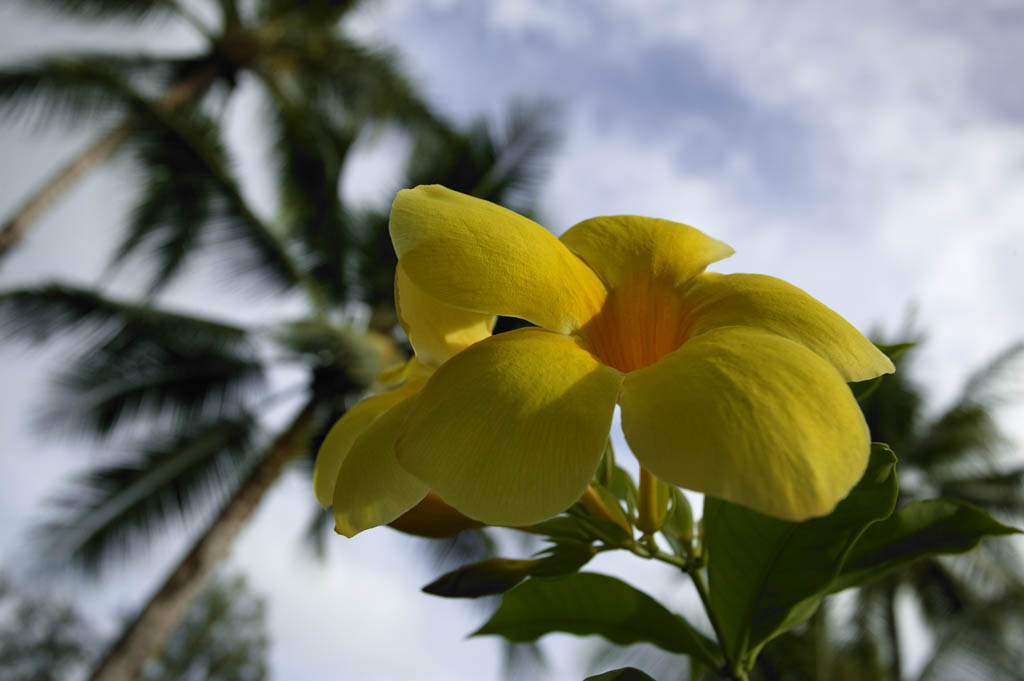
476,255
344,433
751,417
409,370
756,300
436,330
372,489
625,248
510,430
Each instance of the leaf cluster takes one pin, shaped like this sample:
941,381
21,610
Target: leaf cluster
758,576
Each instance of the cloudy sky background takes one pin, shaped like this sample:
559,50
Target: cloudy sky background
871,153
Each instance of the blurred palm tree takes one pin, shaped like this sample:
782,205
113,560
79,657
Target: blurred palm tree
962,453
161,108
208,414
41,639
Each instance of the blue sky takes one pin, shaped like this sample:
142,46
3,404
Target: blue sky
871,153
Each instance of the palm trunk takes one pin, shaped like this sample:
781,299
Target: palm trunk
15,229
60,183
892,629
145,634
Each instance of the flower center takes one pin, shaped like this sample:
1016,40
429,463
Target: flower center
638,325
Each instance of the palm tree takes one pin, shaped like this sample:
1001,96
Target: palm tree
186,396
158,106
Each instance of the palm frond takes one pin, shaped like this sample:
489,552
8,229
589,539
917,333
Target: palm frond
999,381
190,201
964,431
139,361
314,12
981,645
522,661
968,428
59,310
351,84
76,89
107,9
319,528
309,156
504,166
375,262
111,510
522,154
1000,492
895,410
941,592
991,571
169,377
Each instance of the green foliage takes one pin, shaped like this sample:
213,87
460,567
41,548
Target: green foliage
486,578
222,637
929,527
498,575
504,164
106,9
107,511
959,452
75,89
766,574
679,527
41,639
589,603
58,310
131,378
136,361
189,200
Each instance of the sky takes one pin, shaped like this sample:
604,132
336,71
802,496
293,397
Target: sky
871,153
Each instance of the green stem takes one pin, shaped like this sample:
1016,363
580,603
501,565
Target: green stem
693,568
733,669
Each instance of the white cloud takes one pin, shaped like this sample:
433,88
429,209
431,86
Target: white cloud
922,177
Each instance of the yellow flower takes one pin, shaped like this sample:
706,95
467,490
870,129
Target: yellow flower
731,385
356,471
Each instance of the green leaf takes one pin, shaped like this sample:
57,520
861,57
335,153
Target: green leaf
930,527
624,674
588,603
763,570
607,531
498,575
486,578
580,526
678,527
561,528
623,487
562,559
606,467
